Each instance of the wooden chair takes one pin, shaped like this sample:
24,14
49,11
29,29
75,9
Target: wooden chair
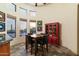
30,42
39,41
45,41
42,41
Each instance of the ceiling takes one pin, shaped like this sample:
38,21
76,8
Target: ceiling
37,4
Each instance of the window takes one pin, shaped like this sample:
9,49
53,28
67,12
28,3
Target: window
23,27
32,13
33,27
11,27
11,7
23,11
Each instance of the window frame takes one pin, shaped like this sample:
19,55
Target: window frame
23,20
14,18
21,8
15,6
11,7
31,12
35,22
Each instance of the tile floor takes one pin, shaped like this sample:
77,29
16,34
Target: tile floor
19,50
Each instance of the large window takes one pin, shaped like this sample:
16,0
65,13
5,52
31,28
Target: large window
32,13
22,11
33,27
11,27
23,27
11,7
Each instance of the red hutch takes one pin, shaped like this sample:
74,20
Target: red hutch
53,31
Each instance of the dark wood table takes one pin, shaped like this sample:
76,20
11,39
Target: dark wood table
36,37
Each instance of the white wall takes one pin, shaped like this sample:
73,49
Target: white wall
66,14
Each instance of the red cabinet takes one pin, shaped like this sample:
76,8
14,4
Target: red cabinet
53,31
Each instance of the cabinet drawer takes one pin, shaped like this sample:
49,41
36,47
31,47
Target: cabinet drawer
5,49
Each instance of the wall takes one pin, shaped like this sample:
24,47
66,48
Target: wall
66,15
4,9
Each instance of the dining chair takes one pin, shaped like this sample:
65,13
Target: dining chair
30,42
38,45
45,41
42,41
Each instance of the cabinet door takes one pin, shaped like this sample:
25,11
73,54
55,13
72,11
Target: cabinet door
56,34
5,49
46,29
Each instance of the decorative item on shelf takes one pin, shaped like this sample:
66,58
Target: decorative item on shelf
50,26
2,37
2,27
39,25
50,31
54,31
2,16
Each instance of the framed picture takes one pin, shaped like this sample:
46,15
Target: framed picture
2,37
2,27
2,16
39,22
39,25
39,28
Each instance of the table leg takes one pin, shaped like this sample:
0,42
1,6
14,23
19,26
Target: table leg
36,48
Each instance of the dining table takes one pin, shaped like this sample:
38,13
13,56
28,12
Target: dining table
37,37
